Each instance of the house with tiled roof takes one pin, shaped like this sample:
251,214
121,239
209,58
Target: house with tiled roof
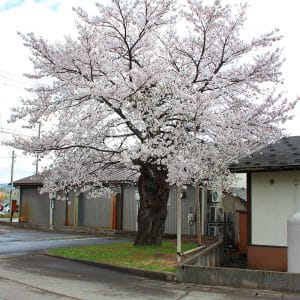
273,195
76,209
117,211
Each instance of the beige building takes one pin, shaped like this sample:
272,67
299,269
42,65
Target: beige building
234,201
273,195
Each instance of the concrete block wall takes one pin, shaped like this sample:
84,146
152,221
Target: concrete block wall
239,278
211,256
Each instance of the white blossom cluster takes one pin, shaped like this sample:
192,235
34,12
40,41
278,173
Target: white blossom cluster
135,87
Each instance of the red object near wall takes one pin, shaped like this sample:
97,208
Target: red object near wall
267,258
243,238
14,205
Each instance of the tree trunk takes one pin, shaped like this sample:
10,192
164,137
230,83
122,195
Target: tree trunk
152,214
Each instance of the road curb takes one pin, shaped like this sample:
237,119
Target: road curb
165,276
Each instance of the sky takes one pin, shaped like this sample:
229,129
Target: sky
53,19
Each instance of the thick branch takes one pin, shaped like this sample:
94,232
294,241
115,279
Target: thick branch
79,146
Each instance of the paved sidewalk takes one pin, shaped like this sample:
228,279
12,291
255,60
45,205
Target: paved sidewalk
42,277
187,291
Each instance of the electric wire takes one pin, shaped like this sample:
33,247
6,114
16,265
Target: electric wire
14,132
15,77
11,85
15,81
9,157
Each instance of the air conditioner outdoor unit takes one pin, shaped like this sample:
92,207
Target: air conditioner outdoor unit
212,230
216,214
216,196
216,230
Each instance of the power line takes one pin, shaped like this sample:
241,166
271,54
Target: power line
13,132
19,77
7,157
13,86
15,80
10,129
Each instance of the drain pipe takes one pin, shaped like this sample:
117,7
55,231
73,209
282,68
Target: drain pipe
193,250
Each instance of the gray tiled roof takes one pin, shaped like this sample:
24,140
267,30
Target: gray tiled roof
109,175
34,180
238,192
283,155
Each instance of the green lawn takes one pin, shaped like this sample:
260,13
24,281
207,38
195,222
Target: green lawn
125,254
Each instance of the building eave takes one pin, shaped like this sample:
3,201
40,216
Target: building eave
264,169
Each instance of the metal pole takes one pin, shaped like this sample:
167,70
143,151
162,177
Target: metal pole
76,209
198,206
11,184
38,155
51,215
178,201
67,210
198,212
52,205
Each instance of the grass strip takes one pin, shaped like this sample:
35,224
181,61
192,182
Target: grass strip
158,258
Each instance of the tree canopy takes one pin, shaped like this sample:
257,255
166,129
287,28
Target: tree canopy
160,82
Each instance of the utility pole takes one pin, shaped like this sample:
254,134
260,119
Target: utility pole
11,184
38,154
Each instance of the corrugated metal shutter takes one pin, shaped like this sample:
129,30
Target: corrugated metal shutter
130,206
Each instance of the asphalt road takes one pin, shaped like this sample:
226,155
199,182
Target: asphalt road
16,241
25,273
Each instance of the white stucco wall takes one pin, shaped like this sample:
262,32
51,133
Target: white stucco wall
275,197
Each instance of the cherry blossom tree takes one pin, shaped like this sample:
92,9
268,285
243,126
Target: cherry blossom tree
166,88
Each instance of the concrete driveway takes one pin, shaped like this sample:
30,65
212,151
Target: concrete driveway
28,274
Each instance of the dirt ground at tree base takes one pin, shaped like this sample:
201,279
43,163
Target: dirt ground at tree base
171,259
